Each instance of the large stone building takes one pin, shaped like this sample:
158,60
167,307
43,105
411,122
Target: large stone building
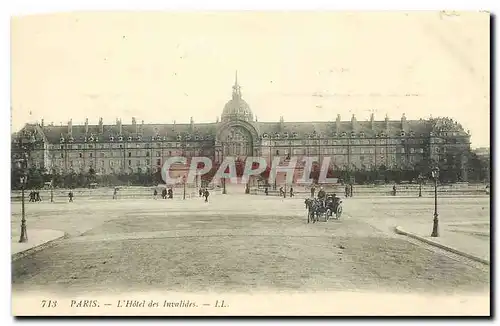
351,145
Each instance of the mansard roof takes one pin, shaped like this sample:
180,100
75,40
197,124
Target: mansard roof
207,131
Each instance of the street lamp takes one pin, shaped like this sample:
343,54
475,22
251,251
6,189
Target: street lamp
420,180
23,165
435,224
184,186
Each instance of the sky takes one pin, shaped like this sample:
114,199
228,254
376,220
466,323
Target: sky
165,67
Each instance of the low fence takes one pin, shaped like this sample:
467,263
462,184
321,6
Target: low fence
409,190
107,193
359,190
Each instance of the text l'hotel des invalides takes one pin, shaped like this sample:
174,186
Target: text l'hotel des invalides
142,148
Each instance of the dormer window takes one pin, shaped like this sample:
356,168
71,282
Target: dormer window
139,138
412,134
130,138
96,139
353,134
71,139
402,134
294,135
120,138
164,137
61,139
343,134
265,136
334,134
111,138
179,137
91,138
277,135
196,138
188,137
362,134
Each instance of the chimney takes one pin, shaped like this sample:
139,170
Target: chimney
191,124
403,122
217,119
386,122
86,125
372,119
42,123
101,127
337,123
70,126
353,122
134,124
282,124
119,125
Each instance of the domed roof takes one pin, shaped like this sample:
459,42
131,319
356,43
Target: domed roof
236,108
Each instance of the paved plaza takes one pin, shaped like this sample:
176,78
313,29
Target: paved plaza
244,243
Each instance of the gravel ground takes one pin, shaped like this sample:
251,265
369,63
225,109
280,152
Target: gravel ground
237,244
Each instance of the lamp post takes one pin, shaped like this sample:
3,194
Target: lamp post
420,179
184,187
435,224
23,164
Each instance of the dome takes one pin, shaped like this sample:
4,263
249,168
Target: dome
236,108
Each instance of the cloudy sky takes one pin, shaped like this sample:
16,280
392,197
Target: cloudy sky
161,67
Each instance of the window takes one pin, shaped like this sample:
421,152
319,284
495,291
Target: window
121,146
129,162
277,152
90,155
90,146
129,138
129,154
62,146
169,153
158,154
79,146
158,162
62,155
80,154
147,153
147,161
102,154
412,150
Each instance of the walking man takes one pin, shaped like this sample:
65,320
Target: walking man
70,195
206,194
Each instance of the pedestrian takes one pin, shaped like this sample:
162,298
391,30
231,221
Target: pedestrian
394,190
201,192
350,190
266,191
70,195
206,194
115,192
346,191
291,192
170,193
282,193
155,193
313,190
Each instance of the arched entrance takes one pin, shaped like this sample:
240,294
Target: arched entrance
237,142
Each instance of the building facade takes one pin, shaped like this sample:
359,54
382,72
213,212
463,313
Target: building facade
350,145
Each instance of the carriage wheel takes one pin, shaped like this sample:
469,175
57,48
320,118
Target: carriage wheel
339,212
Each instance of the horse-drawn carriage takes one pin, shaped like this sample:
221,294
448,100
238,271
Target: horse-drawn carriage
325,209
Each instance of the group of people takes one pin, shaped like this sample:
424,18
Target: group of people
283,193
164,193
324,198
35,196
204,193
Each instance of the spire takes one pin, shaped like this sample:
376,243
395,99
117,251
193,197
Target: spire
236,87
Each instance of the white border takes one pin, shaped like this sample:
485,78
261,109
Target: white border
10,8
